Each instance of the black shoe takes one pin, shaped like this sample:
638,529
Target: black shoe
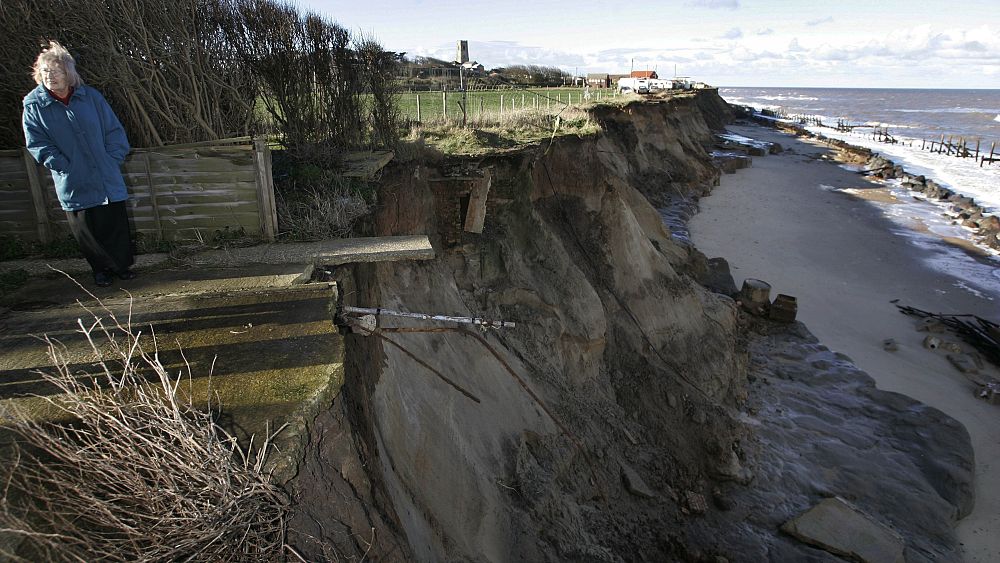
103,279
126,274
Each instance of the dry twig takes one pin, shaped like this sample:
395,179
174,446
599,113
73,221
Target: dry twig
140,474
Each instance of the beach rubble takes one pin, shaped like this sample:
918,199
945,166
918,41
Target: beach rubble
980,333
836,526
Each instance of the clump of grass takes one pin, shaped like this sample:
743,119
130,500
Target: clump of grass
11,280
492,132
14,248
322,206
139,474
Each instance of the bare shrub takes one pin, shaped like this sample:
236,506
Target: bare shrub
139,474
324,91
166,67
491,131
179,72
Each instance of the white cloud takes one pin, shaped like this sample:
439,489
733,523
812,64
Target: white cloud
904,57
733,33
715,4
764,31
501,53
819,21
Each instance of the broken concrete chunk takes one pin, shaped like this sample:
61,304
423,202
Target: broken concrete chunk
784,308
838,527
755,295
991,392
963,363
890,345
375,249
719,278
634,484
930,324
932,342
953,347
695,502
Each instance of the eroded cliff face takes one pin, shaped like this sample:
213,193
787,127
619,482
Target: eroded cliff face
620,420
635,367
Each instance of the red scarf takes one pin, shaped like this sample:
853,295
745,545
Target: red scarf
65,100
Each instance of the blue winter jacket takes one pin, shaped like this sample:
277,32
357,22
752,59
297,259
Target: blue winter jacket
83,144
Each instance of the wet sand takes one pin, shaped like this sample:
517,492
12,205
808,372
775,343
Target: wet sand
841,259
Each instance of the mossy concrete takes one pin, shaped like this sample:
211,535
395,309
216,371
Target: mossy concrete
263,350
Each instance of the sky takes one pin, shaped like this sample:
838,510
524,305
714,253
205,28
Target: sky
766,43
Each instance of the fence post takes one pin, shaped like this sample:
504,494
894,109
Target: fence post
265,189
522,100
501,105
37,198
152,198
444,103
418,107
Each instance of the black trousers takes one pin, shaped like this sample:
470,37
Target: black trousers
103,235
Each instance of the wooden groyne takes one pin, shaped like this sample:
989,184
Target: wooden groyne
953,145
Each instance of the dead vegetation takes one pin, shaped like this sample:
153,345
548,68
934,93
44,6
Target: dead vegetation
491,132
136,472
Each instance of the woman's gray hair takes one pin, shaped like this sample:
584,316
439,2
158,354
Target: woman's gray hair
55,53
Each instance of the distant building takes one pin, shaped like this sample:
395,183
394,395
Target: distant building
643,74
474,67
599,80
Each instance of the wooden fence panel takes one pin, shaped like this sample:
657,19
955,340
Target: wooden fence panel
182,192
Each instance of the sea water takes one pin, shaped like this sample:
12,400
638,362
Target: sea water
914,117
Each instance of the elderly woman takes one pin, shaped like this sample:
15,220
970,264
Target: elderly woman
70,129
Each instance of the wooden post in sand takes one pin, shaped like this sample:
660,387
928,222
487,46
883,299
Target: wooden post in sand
977,149
991,159
941,144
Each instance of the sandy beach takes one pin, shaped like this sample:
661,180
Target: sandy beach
782,222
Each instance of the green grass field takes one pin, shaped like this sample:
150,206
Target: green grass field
488,102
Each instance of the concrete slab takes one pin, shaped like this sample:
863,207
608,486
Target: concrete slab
836,526
245,323
376,249
264,350
365,164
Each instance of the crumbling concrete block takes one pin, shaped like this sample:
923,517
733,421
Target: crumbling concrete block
634,483
963,363
838,527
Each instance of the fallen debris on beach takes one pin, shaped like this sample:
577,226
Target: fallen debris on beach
980,333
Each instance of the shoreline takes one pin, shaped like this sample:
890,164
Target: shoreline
966,210
846,263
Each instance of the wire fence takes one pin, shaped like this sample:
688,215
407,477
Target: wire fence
448,104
